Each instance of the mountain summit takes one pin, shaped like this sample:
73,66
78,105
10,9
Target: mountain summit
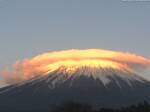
97,77
106,87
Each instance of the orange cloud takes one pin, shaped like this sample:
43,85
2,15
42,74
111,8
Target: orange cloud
72,59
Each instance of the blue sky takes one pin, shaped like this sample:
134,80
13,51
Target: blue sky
31,27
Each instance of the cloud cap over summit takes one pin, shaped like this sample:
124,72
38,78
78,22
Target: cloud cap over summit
72,59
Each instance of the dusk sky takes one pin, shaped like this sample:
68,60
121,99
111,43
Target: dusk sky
31,27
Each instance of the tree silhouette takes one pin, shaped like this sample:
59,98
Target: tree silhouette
81,107
72,107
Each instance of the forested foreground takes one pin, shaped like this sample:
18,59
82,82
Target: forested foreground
78,107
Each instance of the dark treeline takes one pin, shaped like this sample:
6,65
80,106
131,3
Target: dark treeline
78,107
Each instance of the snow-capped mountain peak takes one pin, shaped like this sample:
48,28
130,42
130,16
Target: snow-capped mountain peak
105,75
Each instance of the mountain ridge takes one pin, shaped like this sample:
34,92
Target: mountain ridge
86,85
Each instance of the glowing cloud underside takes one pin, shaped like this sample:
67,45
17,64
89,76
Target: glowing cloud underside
73,59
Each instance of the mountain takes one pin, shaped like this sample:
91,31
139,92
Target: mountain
99,86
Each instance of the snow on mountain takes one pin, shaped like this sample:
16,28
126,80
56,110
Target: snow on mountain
105,75
106,87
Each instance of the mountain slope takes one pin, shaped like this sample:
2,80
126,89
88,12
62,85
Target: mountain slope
97,86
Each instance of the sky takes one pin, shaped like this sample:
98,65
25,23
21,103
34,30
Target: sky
31,27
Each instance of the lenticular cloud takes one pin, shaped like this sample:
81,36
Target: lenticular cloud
72,59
